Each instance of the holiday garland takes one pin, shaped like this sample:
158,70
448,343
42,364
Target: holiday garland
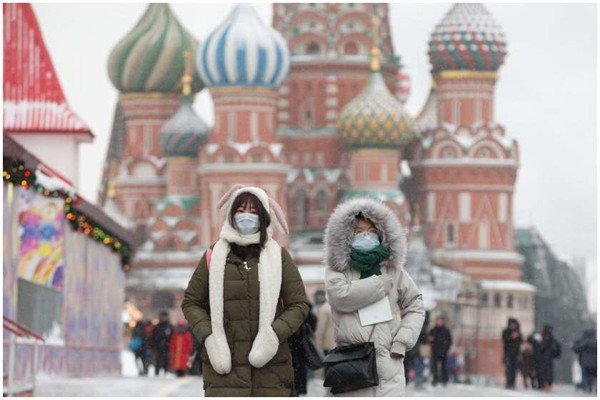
15,172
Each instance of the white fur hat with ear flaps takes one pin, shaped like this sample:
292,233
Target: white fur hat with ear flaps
266,343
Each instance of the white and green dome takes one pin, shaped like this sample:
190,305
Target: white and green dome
150,57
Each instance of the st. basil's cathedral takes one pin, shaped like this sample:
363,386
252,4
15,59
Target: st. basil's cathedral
311,109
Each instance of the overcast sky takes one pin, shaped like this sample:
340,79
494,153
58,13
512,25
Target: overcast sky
545,97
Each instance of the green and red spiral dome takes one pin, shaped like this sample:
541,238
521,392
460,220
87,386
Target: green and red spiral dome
467,38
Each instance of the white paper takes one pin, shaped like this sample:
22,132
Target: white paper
377,312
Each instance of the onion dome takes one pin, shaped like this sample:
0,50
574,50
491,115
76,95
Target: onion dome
185,131
243,51
375,118
467,38
150,57
403,86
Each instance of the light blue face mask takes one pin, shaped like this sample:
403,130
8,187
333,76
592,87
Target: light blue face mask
246,223
365,241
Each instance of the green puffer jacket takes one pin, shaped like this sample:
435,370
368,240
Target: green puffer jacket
241,316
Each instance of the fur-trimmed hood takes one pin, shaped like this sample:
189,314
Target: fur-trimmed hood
340,232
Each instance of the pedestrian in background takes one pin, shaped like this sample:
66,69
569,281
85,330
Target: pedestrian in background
180,348
586,349
161,339
299,361
365,253
136,345
511,340
245,299
549,350
525,363
441,341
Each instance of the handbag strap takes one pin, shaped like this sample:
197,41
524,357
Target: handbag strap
372,331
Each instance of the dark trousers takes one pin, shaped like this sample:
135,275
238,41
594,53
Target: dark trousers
143,357
588,379
162,360
510,368
439,369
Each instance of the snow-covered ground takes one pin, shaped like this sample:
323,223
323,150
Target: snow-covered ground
132,385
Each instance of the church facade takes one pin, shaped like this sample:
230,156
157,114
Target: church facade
310,108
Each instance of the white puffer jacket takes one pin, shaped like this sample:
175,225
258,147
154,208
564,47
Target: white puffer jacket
347,293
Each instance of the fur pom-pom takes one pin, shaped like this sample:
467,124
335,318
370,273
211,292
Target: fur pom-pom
218,353
264,348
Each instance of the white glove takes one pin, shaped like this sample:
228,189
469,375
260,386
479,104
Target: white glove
264,348
218,353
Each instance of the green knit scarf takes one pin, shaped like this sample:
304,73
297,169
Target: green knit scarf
367,262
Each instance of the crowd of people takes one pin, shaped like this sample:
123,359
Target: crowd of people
164,347
261,336
534,357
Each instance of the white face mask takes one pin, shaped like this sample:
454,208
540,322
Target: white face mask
246,223
365,241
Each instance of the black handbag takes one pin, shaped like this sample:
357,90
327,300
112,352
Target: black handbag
351,367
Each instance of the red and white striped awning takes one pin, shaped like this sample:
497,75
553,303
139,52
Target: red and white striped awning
33,98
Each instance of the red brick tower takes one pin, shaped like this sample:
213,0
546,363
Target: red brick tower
464,169
375,128
329,46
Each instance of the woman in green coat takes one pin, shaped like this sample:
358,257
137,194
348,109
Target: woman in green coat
244,301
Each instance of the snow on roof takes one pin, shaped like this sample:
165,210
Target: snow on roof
212,148
33,97
242,148
489,284
276,148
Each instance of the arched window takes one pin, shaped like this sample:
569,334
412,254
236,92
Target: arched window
321,202
302,209
509,301
450,234
307,119
313,48
350,48
497,300
484,300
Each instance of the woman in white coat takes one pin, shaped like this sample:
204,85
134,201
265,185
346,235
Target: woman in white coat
365,255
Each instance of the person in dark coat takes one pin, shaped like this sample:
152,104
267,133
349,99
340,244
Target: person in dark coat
549,350
161,338
195,360
535,340
585,347
525,364
299,361
245,299
511,339
441,340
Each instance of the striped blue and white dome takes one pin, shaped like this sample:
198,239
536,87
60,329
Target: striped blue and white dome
243,51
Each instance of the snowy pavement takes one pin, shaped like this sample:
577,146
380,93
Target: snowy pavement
131,385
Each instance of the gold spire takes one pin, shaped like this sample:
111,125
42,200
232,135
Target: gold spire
186,81
112,191
375,52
